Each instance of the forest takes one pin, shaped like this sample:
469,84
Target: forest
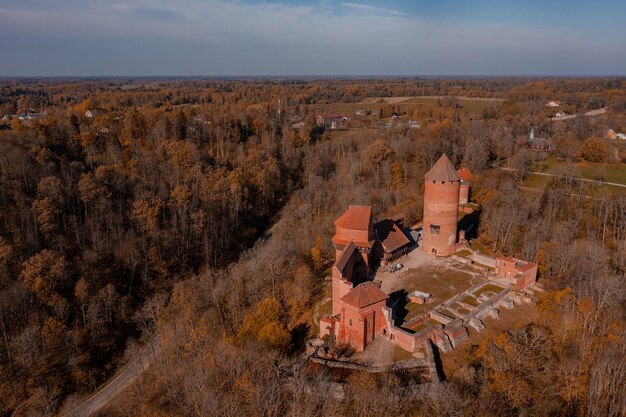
192,214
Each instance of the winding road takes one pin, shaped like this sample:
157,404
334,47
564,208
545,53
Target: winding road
115,386
128,374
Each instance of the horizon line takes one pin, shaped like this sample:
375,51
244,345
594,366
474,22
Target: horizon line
308,76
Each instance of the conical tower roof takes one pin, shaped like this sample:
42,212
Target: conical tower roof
443,170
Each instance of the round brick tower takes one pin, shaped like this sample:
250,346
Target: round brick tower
441,208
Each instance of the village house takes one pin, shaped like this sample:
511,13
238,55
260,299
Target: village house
333,121
553,103
610,134
539,144
31,116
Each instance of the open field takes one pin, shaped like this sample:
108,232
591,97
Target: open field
469,107
394,100
591,171
598,177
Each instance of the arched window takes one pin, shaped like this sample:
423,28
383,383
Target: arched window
350,322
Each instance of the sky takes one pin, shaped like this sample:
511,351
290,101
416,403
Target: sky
317,37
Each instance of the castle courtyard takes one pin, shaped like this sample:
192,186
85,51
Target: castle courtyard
440,277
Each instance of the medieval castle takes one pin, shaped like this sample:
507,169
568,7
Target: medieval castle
360,310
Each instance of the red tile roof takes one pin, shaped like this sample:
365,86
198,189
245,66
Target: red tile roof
390,235
355,218
345,256
443,170
465,174
364,295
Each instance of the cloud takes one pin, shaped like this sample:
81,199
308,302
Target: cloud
220,37
372,9
156,14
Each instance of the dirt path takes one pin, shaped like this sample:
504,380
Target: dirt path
114,387
563,176
596,112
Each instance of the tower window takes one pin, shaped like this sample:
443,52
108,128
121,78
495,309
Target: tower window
350,321
434,229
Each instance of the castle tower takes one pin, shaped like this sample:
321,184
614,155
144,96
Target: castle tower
353,242
355,225
441,208
466,183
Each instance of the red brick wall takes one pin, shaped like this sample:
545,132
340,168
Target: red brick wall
359,327
464,193
507,269
441,206
340,288
528,277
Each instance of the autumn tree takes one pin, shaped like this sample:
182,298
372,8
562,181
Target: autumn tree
264,324
44,274
593,149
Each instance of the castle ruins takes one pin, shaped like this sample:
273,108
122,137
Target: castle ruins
360,310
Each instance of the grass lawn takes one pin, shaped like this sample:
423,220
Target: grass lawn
441,283
487,288
470,301
588,170
463,253
539,182
449,313
336,134
434,322
536,181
